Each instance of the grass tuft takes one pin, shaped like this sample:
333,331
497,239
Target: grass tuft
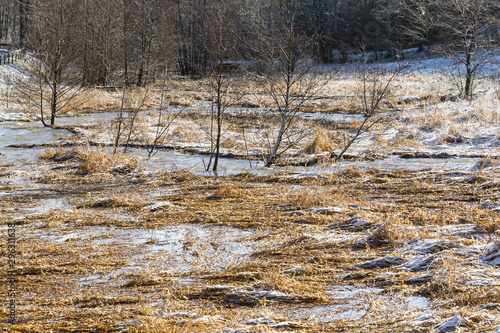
321,143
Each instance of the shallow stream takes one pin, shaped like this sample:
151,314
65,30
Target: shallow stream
14,132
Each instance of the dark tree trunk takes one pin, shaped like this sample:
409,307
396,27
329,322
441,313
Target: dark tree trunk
23,18
468,76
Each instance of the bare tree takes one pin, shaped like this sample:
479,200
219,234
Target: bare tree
373,90
53,79
124,129
220,47
118,124
285,75
143,21
99,30
191,36
24,6
413,21
165,120
466,28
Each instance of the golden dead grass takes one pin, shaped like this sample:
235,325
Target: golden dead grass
394,201
92,159
390,234
314,106
321,143
186,84
310,197
231,190
451,279
399,206
182,101
99,160
51,153
91,100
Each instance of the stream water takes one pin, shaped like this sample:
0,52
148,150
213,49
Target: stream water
13,132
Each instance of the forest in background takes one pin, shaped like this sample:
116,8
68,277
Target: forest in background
134,41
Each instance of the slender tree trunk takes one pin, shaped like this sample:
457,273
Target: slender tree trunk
53,105
277,143
468,75
120,122
23,12
219,121
42,117
125,47
141,74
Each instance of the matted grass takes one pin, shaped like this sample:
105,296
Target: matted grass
172,251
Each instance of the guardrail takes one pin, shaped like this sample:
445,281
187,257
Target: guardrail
10,57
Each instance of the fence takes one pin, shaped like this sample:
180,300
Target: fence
10,57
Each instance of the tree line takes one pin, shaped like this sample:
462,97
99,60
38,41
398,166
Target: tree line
136,39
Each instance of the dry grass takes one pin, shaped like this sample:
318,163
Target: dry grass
182,101
231,190
401,205
455,134
309,197
430,121
321,143
92,100
313,106
450,285
389,234
51,153
93,266
99,160
188,132
484,114
93,160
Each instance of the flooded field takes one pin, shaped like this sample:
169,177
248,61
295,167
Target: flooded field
399,235
351,248
33,133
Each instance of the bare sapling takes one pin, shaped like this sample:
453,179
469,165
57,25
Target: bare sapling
124,128
133,113
119,123
52,80
221,45
287,76
468,28
373,90
164,121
